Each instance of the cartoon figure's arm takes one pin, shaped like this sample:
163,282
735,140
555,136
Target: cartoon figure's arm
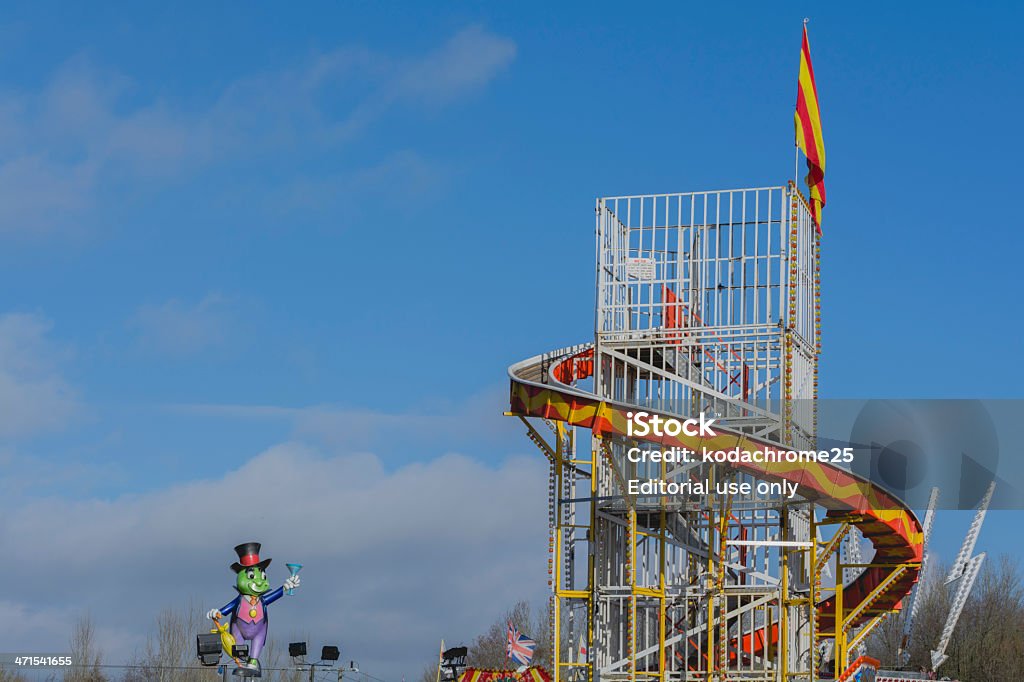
230,607
289,584
273,596
225,610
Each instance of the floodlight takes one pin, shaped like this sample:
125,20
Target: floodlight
208,648
296,649
240,651
453,661
329,653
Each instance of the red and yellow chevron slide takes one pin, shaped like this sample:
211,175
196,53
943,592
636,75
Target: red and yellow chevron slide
539,389
866,666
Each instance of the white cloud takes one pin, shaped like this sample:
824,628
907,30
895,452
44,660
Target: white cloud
475,421
404,177
89,127
60,144
393,559
176,327
468,61
40,195
34,397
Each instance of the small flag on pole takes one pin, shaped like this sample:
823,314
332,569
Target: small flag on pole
808,131
520,647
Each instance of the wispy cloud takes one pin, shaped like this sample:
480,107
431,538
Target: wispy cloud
475,421
403,174
420,551
89,127
176,327
39,195
34,396
61,143
466,62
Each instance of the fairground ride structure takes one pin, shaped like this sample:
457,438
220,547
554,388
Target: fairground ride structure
706,302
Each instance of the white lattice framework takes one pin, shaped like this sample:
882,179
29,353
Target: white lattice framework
705,302
709,301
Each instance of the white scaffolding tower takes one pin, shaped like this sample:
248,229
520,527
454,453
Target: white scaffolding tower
705,302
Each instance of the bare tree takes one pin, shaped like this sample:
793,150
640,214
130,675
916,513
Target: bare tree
169,655
488,650
278,667
85,655
7,675
886,642
988,642
292,674
275,655
429,673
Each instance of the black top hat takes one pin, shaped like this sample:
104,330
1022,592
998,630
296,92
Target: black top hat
249,556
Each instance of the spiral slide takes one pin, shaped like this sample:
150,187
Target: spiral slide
543,386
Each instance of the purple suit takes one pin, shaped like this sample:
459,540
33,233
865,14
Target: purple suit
249,621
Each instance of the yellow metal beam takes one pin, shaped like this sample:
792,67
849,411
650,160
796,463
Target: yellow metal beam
556,567
812,591
709,630
866,630
662,602
631,541
573,594
830,547
538,439
886,583
591,564
839,645
784,585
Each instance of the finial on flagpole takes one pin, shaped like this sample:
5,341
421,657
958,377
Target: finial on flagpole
807,20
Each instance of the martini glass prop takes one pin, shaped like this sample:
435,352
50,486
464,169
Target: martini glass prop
293,569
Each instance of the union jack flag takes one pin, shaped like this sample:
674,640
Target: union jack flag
520,647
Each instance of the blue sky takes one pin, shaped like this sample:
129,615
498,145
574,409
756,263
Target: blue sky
233,232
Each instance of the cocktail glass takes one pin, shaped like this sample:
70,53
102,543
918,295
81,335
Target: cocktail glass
293,569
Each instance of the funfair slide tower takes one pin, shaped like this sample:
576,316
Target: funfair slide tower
707,302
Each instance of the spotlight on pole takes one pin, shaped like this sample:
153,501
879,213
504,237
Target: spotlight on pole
208,648
453,662
329,653
240,651
296,649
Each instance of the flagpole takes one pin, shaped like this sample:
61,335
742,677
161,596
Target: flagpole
796,147
796,165
440,659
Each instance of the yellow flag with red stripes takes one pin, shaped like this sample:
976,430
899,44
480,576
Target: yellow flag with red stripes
808,132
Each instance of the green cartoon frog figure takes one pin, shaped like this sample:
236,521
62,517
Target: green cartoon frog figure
248,611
